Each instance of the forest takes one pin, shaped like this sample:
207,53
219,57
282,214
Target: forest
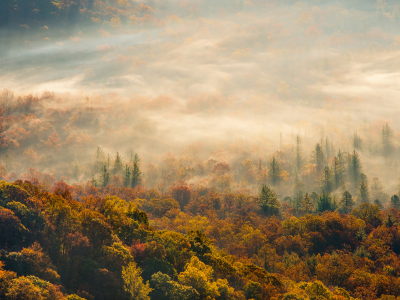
199,150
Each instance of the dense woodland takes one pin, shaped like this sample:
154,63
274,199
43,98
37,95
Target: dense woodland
101,200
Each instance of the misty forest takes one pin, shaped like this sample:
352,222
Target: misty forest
199,149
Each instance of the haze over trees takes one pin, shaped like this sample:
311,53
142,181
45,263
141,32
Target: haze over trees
190,150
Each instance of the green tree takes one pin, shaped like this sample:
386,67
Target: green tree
127,176
346,203
133,283
390,221
269,202
118,166
100,159
166,289
299,158
325,202
338,170
395,202
274,171
387,140
318,157
136,176
354,170
363,190
307,204
105,175
327,183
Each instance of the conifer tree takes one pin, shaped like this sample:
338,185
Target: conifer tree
363,190
325,202
390,221
354,169
387,143
118,166
395,202
327,181
346,203
318,157
100,157
105,175
127,177
379,203
268,202
307,205
274,171
136,173
338,169
298,153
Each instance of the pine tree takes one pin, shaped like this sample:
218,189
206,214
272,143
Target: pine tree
346,203
363,190
298,153
387,143
354,169
395,202
325,202
338,170
327,181
390,221
319,157
269,202
105,175
127,177
307,204
118,166
100,157
136,173
274,171
296,200
379,203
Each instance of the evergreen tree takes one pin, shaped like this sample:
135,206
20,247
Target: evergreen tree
325,202
318,157
379,203
296,200
105,175
94,181
299,157
100,157
269,202
118,166
363,190
327,184
328,148
387,143
354,169
346,203
136,173
395,202
307,204
274,171
338,170
314,196
390,221
127,177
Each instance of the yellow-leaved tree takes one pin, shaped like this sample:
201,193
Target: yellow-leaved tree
133,283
